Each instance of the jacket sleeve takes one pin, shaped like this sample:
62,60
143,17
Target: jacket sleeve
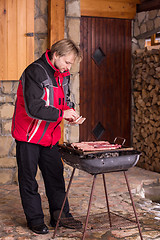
66,87
33,92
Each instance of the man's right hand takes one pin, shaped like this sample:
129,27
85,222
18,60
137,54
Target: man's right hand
70,115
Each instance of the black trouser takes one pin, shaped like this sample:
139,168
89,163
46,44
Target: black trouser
29,156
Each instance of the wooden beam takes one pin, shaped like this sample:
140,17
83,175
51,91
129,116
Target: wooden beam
148,6
148,34
107,8
125,1
153,38
56,14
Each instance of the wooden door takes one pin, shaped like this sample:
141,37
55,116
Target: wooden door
16,49
105,78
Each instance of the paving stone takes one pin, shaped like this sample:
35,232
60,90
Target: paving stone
13,224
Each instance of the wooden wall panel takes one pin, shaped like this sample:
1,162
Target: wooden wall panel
3,40
105,89
124,9
29,29
12,40
17,50
21,29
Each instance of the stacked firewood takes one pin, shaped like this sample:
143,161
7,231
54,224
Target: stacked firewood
146,107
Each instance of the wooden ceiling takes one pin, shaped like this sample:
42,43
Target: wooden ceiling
148,5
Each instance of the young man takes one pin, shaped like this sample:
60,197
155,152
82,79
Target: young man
42,102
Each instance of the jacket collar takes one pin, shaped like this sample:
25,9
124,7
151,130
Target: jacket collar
57,73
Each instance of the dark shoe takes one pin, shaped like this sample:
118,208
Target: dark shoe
67,221
39,229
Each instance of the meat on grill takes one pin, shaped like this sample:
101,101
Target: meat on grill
95,146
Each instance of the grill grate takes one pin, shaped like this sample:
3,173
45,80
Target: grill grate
100,222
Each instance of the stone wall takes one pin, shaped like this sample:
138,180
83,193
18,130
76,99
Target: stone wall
40,27
145,24
7,145
72,30
8,166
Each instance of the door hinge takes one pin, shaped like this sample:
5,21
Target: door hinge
30,34
40,35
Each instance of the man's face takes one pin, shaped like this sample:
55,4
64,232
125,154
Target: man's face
63,63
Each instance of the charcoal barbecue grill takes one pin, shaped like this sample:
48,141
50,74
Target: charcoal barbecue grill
99,162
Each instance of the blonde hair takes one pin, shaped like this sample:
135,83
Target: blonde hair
64,47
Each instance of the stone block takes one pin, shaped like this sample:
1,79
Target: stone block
74,133
43,7
7,87
6,111
75,87
36,8
134,47
15,97
36,45
6,127
44,44
40,46
13,149
6,176
150,25
143,28
8,162
73,28
5,145
15,87
157,22
141,17
7,99
75,67
15,176
141,43
152,14
40,25
73,8
136,29
77,108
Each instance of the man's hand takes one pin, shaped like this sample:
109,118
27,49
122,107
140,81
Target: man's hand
70,115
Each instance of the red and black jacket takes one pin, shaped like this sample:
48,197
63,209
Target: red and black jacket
42,95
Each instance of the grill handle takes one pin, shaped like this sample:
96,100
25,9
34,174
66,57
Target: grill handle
123,140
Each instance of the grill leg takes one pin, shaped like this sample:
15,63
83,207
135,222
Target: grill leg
66,195
89,206
134,209
106,194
